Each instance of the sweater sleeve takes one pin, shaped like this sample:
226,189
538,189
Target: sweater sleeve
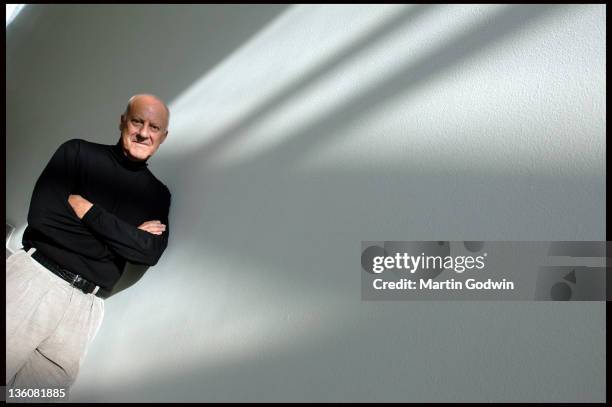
126,240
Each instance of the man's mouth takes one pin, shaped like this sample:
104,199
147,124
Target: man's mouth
140,142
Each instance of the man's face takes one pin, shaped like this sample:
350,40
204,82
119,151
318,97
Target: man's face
143,128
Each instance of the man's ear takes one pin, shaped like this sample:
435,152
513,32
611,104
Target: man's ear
164,137
121,122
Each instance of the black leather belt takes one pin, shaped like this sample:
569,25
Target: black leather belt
75,280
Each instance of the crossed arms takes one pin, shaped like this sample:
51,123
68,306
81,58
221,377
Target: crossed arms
80,206
74,222
134,245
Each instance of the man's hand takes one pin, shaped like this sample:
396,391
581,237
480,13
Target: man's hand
153,226
80,205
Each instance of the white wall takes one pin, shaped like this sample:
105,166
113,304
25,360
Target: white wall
296,133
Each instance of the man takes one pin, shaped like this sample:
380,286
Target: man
93,208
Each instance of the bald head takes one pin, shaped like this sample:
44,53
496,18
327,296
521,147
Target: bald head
148,100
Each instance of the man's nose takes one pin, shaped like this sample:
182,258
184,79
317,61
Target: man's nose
144,130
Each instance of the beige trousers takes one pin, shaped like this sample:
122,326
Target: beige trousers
49,325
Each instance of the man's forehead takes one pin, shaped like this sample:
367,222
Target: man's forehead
147,102
148,105
147,108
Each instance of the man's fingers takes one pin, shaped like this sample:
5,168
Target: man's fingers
154,226
151,223
156,230
158,226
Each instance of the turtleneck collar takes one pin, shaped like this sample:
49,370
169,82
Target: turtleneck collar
118,153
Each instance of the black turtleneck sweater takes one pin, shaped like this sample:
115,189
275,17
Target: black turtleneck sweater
124,194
